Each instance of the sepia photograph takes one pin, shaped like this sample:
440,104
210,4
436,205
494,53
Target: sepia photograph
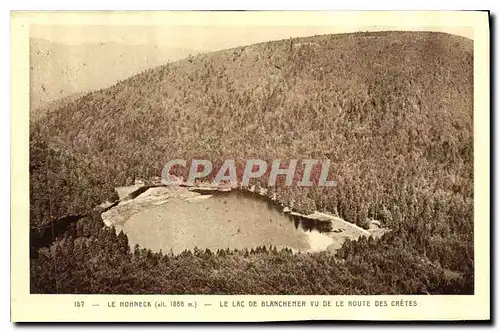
218,159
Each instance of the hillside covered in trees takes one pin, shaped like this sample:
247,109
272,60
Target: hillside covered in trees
391,110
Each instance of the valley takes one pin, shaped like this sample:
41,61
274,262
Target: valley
391,111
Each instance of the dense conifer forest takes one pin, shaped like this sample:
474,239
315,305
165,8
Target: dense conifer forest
392,111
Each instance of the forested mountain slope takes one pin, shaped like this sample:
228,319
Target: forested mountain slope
392,111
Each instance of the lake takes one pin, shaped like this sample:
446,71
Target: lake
234,220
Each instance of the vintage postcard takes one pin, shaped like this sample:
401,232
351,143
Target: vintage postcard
250,166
